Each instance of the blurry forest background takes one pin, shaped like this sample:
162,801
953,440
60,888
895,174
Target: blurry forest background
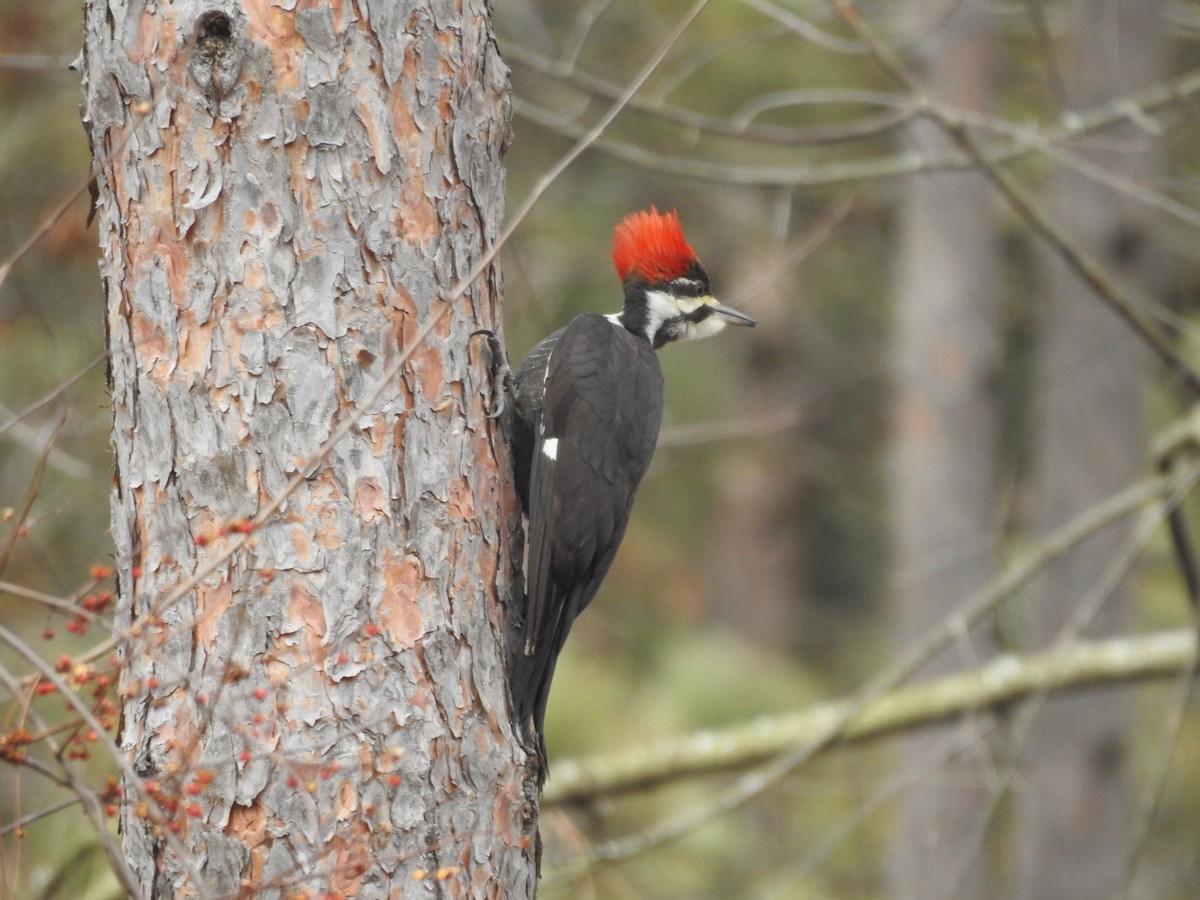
968,230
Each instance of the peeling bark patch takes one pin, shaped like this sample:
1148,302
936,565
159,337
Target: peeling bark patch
305,613
247,823
302,545
211,603
462,501
370,502
398,610
152,344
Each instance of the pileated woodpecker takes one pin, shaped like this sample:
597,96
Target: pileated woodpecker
586,406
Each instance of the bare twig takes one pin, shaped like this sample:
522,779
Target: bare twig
86,796
67,607
743,126
1141,103
898,671
1002,680
29,818
30,438
1106,288
52,395
31,494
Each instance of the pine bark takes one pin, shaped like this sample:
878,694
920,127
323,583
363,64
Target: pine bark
286,192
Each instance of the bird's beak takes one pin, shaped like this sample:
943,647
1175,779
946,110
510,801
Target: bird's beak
732,315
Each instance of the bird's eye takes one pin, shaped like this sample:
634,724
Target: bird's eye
688,287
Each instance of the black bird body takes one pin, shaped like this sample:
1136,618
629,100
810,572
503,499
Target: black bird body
584,413
587,441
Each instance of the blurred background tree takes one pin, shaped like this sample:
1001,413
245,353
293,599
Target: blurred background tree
932,389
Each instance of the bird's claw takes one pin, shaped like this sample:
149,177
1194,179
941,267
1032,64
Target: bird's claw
501,375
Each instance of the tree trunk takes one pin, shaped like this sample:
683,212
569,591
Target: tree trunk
1075,804
285,197
944,523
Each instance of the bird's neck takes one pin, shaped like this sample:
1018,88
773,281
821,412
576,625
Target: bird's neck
634,321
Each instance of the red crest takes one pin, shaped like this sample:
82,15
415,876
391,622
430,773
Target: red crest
651,245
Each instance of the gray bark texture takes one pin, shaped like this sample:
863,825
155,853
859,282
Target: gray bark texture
1076,799
287,191
943,459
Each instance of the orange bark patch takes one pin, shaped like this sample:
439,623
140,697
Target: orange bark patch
329,533
254,276
211,603
301,544
462,503
351,861
195,342
151,347
408,134
178,735
375,435
398,611
429,365
248,825
305,607
419,222
175,264
370,502
152,35
346,804
268,24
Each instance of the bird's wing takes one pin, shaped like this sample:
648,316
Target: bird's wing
594,439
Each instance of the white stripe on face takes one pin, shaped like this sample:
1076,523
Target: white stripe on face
663,307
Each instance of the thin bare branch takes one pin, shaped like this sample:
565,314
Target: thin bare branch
903,667
67,607
805,29
1045,43
53,395
753,425
1005,679
31,494
86,795
1142,103
585,21
30,438
30,818
36,61
743,126
1151,798
1120,301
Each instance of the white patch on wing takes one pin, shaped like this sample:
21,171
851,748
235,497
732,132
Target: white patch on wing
615,318
550,448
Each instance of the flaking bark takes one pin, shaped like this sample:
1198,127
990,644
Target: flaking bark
286,192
